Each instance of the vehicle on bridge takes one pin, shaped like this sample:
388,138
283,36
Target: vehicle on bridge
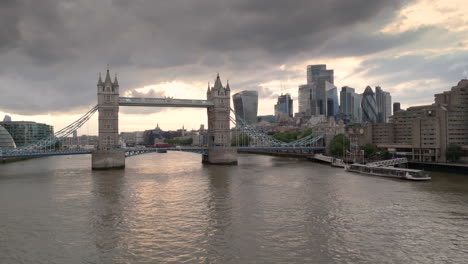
162,145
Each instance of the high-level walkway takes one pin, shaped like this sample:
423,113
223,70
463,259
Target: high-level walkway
164,102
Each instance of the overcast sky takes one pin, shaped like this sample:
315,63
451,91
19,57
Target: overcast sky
51,52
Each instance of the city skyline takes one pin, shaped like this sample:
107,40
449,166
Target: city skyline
242,131
387,44
183,111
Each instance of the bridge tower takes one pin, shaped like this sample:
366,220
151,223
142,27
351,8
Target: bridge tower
219,145
107,156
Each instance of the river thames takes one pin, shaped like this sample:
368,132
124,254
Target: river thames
170,208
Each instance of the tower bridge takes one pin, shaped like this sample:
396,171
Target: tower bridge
218,151
218,109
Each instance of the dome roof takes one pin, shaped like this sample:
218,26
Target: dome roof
6,141
368,91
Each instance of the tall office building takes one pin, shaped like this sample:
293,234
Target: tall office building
332,99
396,107
305,98
384,102
318,103
357,108
322,81
346,100
350,105
316,72
246,106
369,106
313,97
284,107
388,107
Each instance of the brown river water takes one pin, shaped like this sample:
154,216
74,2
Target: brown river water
170,208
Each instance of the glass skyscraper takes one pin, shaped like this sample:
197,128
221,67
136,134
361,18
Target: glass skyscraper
284,106
315,97
316,72
332,99
384,108
369,106
350,104
305,98
246,106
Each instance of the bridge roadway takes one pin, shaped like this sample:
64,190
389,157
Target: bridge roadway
164,102
130,152
42,153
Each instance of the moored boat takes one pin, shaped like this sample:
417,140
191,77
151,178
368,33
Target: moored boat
338,163
400,173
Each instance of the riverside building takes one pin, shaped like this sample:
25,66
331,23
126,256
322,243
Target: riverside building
27,132
6,141
424,133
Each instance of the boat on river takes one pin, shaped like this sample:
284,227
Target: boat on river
392,172
338,163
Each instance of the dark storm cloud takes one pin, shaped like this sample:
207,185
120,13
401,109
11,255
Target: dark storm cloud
9,33
282,27
357,43
418,77
52,50
263,92
449,67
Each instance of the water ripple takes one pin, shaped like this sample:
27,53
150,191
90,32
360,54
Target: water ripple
170,208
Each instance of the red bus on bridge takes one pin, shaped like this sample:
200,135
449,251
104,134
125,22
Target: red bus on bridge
162,145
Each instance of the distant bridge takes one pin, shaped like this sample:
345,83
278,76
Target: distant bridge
42,153
131,152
